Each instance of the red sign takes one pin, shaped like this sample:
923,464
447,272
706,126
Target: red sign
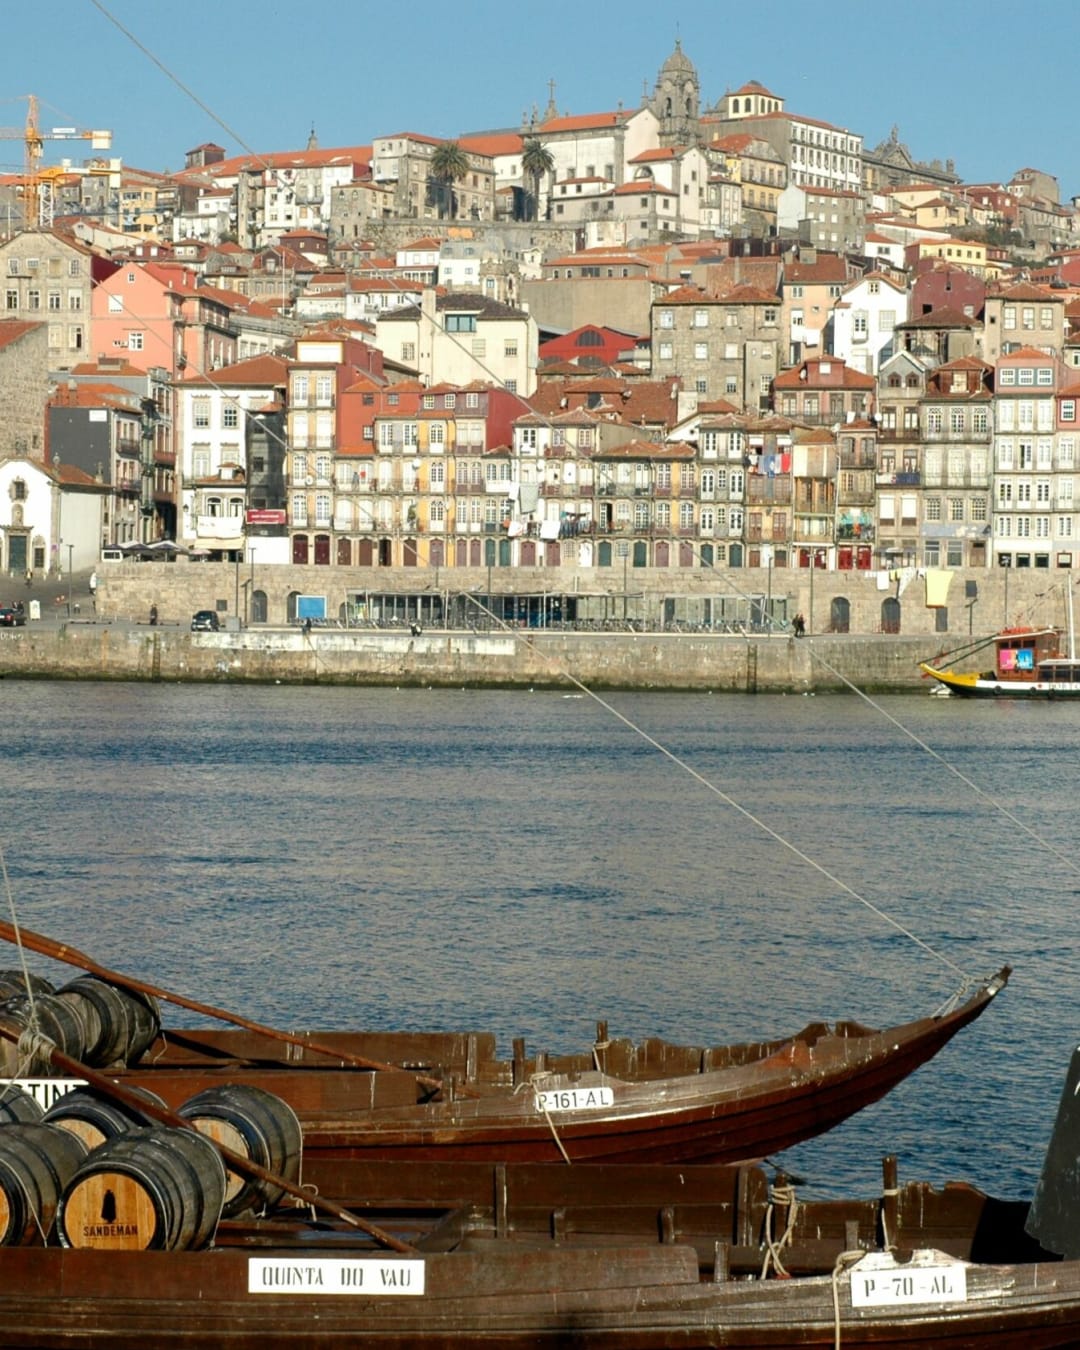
264,517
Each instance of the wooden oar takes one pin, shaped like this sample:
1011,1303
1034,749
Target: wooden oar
237,1161
71,956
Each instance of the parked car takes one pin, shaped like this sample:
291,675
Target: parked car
12,616
205,621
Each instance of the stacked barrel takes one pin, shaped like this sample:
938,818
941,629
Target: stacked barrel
88,1019
95,1171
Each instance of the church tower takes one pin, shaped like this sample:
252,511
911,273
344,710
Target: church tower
676,100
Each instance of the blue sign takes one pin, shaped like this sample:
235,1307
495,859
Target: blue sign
311,606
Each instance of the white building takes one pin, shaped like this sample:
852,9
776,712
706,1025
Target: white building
460,338
864,320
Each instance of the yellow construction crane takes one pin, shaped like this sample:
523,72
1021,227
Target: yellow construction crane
37,204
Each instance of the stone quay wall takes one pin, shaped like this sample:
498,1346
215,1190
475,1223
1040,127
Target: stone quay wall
977,601
94,650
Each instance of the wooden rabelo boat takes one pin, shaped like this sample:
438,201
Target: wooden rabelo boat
502,1256
449,1097
1028,663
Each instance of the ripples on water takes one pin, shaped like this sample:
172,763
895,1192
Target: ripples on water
526,863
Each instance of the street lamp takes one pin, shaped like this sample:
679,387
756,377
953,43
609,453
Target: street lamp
71,550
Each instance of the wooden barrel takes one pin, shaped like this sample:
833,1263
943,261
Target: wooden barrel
257,1125
156,1189
119,1024
36,1163
95,1117
18,1106
13,982
56,1021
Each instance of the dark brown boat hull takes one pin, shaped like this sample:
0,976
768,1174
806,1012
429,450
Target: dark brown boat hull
800,1089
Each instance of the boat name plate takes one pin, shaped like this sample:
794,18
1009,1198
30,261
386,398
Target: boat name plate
912,1283
575,1099
382,1275
48,1091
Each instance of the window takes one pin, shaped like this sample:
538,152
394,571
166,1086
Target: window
75,337
667,318
230,416
54,300
701,351
200,412
135,342
12,300
510,347
701,318
933,508
1025,375
300,388
74,300
956,509
436,434
408,351
299,468
933,420
1044,376
666,351
33,299
461,323
1007,376
324,389
979,420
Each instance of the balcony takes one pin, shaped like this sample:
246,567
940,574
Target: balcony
906,479
857,459
864,534
763,489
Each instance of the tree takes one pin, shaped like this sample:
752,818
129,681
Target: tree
448,164
536,162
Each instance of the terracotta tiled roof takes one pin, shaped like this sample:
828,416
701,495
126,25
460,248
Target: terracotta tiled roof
11,330
256,371
495,143
645,450
584,122
802,377
828,269
641,186
945,317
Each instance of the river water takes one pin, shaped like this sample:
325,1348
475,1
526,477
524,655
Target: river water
528,863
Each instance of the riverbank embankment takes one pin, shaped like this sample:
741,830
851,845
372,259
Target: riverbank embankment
756,663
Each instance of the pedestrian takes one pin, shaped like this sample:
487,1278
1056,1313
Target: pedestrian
799,625
29,577
307,627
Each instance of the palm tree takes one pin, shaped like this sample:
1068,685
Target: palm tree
448,163
536,161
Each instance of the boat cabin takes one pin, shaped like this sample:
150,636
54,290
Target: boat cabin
1022,651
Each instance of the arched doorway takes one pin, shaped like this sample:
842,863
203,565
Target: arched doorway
735,555
603,553
528,553
840,614
552,553
461,552
386,553
344,553
322,550
489,552
686,554
365,552
663,553
706,555
290,606
504,552
585,554
641,554
408,553
474,552
890,615
300,549
258,607
437,553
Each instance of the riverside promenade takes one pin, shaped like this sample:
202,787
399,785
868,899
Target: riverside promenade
655,641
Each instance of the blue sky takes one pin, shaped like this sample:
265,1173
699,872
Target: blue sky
988,85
